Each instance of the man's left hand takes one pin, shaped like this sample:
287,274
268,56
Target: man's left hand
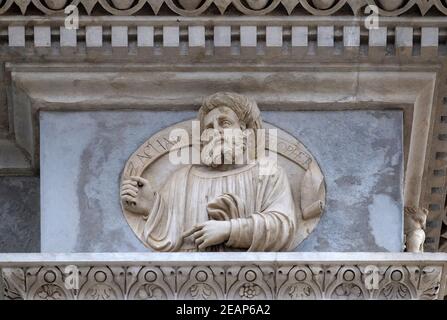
209,233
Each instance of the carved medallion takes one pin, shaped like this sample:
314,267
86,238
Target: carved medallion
223,182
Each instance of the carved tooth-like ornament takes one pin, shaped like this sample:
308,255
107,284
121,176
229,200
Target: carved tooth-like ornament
290,5
89,4
222,5
23,5
156,5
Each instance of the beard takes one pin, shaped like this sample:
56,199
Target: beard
222,151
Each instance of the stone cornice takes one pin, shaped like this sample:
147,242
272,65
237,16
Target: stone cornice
227,7
222,276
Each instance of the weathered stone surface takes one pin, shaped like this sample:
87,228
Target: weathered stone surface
243,7
360,154
83,154
19,214
225,275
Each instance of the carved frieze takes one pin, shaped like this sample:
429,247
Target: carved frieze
277,278
248,7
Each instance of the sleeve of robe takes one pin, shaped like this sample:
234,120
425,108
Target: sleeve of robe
271,228
163,228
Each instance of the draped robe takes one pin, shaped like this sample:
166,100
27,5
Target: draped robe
260,209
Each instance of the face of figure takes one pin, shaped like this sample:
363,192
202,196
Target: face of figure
222,118
223,137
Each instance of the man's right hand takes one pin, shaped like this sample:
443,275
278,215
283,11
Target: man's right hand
137,195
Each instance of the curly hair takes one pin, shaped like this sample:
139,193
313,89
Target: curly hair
245,108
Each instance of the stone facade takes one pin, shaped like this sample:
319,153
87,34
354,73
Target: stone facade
341,141
20,214
165,55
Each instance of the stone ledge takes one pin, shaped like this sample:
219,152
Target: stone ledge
130,258
225,276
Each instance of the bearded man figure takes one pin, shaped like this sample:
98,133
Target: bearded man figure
223,204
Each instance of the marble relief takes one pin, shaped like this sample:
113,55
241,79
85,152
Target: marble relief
234,194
